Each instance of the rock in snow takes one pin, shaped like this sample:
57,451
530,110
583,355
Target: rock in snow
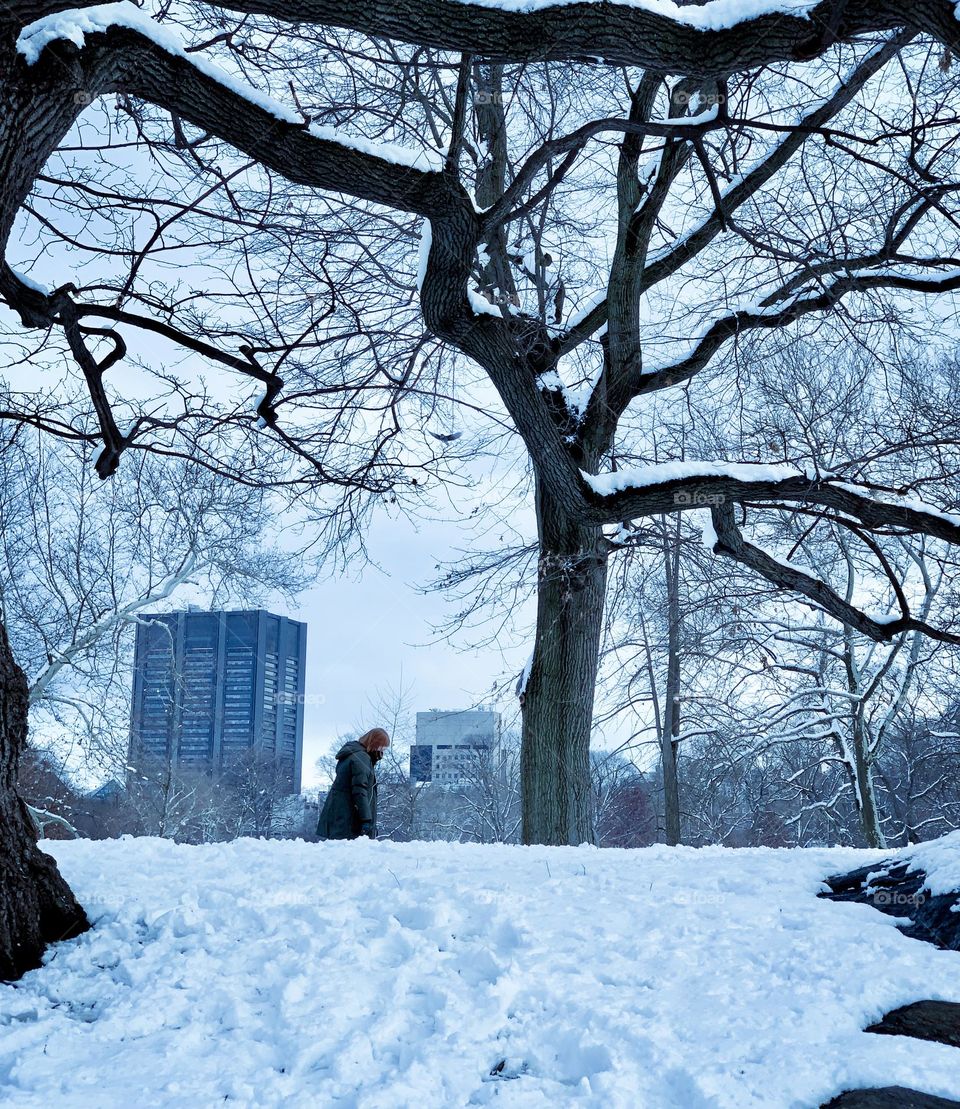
917,885
926,1020
891,1097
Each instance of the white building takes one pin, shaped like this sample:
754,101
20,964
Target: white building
449,741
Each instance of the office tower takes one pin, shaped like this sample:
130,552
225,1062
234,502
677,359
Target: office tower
448,743
210,686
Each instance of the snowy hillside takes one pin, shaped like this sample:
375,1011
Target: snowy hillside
387,975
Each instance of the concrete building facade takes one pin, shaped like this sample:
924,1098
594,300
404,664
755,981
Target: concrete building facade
449,740
210,686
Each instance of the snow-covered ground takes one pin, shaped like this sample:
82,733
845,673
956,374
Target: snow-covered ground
387,975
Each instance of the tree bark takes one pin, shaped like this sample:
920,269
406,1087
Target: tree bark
558,696
671,709
37,907
862,768
865,788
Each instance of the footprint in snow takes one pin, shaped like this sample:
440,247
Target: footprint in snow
416,917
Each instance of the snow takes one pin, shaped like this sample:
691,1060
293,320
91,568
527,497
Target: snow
261,423
575,397
25,279
95,462
578,396
480,305
426,241
379,975
74,24
708,115
656,473
788,565
708,534
589,304
878,616
940,861
521,687
427,158
714,15
711,16
913,503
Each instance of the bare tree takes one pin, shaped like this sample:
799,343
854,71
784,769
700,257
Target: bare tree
851,694
171,802
254,798
401,799
692,136
53,802
624,802
80,562
485,801
919,773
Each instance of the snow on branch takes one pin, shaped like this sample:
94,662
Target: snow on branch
42,818
778,309
711,39
680,486
238,110
653,474
123,613
75,24
714,15
911,504
720,486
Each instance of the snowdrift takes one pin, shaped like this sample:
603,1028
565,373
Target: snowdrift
393,975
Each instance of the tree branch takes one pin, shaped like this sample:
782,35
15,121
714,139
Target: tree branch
731,542
697,40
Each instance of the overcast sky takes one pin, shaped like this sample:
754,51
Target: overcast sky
372,631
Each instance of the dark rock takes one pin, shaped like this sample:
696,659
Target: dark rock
889,1097
924,1020
896,887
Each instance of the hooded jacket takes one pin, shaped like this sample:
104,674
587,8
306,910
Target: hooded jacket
352,800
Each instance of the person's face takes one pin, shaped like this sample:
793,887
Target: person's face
375,756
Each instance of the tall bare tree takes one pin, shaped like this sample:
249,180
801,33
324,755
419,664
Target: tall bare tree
743,176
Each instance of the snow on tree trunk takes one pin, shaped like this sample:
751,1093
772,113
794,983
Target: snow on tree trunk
557,801
37,907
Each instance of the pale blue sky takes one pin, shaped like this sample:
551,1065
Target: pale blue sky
371,631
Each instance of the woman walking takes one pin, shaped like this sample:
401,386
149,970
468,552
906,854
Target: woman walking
350,810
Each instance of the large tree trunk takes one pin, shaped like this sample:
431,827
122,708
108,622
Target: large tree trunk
557,802
36,905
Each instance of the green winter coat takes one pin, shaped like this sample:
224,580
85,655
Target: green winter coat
352,800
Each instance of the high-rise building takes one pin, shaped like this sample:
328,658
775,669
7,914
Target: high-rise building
448,742
210,686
